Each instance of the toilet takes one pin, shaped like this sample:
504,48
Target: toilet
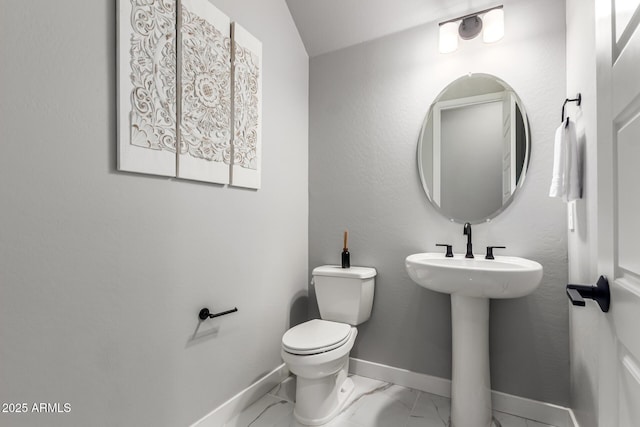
317,351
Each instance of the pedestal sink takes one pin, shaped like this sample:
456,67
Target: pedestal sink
471,282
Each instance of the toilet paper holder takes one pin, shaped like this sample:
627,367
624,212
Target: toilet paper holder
206,314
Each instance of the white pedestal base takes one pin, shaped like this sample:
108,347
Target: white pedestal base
470,381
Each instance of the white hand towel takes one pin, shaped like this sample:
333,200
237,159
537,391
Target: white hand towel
565,181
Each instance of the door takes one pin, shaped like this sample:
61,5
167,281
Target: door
477,112
618,147
509,138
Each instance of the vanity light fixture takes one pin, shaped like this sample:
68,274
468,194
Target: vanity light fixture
488,21
493,25
448,37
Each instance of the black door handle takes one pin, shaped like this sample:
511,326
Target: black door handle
598,292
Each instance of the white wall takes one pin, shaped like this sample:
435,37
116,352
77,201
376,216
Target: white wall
582,243
102,273
367,105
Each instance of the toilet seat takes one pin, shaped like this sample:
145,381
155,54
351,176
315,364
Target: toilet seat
315,336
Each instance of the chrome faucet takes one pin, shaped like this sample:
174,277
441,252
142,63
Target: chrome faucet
467,232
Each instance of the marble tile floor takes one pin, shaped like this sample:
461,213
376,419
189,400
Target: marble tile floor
373,404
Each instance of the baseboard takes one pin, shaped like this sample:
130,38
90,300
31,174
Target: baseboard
401,377
573,419
542,412
546,413
232,407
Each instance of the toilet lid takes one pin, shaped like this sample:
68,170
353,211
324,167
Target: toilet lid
315,336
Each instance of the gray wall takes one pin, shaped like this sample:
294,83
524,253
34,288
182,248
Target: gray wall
367,104
102,273
582,242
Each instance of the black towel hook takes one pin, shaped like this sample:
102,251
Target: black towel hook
577,100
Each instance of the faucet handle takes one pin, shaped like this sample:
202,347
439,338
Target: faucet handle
449,249
490,251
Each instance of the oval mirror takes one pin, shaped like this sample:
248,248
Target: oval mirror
474,148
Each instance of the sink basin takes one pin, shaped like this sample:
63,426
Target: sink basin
471,283
502,277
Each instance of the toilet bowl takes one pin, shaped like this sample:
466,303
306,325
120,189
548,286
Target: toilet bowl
322,384
317,351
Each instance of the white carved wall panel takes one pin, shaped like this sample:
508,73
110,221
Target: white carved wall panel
247,97
147,87
189,104
205,116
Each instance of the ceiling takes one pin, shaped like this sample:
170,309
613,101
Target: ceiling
328,25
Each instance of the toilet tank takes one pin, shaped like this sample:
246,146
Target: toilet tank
344,294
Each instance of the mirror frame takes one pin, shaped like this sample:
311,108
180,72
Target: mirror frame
525,166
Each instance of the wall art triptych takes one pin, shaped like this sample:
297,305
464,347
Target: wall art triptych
189,93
